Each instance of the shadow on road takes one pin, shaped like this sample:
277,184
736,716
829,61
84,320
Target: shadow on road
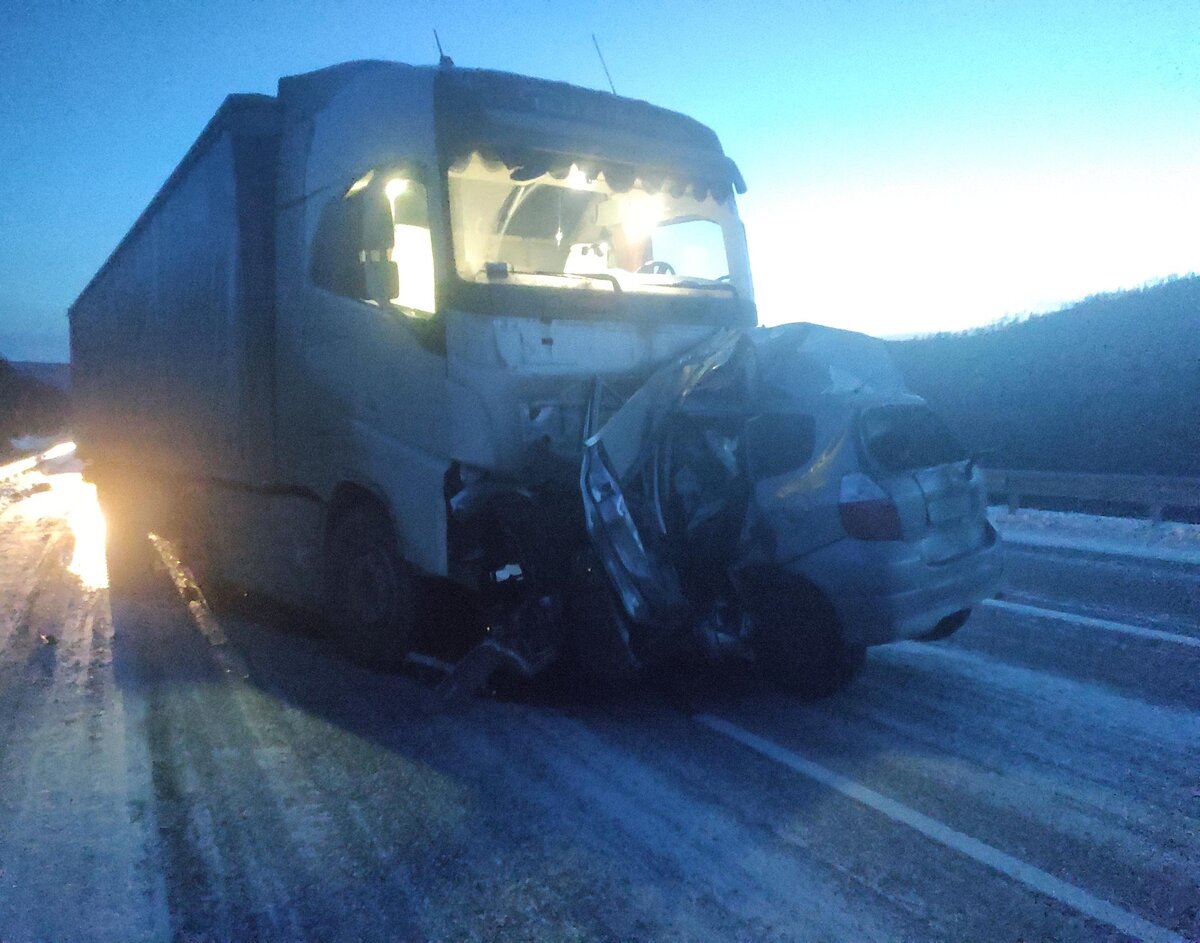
569,808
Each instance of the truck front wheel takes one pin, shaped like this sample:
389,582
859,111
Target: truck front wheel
370,592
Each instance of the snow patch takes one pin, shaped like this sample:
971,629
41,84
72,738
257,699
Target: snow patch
1167,541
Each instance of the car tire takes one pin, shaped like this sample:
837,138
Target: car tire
798,642
370,592
814,672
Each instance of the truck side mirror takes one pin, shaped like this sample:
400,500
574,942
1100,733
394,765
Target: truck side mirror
382,278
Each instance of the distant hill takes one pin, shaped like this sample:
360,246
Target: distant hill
52,374
1110,385
27,405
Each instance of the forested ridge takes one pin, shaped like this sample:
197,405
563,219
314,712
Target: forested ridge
1110,385
27,405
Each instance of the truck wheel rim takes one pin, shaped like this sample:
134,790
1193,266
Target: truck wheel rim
370,588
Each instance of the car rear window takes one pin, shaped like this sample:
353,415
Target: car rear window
779,442
904,437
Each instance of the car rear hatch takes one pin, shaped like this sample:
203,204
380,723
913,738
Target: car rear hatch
928,474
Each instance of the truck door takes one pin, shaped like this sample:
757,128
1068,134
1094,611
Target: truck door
372,331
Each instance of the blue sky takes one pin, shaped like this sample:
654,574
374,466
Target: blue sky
912,166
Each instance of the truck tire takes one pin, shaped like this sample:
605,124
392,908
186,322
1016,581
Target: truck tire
131,558
370,589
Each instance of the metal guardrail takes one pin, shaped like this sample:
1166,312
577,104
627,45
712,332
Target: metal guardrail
1152,493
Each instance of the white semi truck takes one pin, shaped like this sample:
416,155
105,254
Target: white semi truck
383,295
371,333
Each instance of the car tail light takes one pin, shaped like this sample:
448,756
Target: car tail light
866,510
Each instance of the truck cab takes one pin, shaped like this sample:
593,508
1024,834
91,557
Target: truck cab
459,256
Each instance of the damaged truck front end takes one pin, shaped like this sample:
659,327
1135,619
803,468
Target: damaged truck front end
731,506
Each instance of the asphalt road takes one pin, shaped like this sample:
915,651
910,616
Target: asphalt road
171,773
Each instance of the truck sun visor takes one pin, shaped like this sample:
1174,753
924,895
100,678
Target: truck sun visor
714,175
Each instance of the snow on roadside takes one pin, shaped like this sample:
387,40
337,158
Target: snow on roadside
49,450
32,443
1168,540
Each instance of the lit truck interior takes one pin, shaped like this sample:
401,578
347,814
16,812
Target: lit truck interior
549,221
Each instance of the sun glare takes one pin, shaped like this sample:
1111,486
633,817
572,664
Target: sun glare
58,451
60,493
394,187
89,561
576,178
642,213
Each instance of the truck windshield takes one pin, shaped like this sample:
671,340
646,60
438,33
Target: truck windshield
576,229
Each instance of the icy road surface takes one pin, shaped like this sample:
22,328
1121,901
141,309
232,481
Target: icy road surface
167,773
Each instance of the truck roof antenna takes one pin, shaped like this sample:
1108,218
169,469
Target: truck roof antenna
603,64
444,61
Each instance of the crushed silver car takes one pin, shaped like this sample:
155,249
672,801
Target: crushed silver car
777,495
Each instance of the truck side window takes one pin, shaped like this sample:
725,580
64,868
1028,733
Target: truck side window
373,244
412,246
336,245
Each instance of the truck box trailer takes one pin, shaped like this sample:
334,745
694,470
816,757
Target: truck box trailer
172,342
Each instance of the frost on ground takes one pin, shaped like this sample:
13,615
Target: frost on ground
160,783
1094,531
74,825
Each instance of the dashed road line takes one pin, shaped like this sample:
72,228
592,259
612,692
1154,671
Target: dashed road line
1092,622
1032,877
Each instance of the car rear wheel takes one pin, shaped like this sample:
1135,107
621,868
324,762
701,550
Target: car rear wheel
797,639
370,591
814,671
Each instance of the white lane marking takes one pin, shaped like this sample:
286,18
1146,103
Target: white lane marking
1092,622
1112,548
1035,878
189,591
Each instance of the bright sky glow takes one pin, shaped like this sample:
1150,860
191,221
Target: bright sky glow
577,179
903,257
641,213
912,167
